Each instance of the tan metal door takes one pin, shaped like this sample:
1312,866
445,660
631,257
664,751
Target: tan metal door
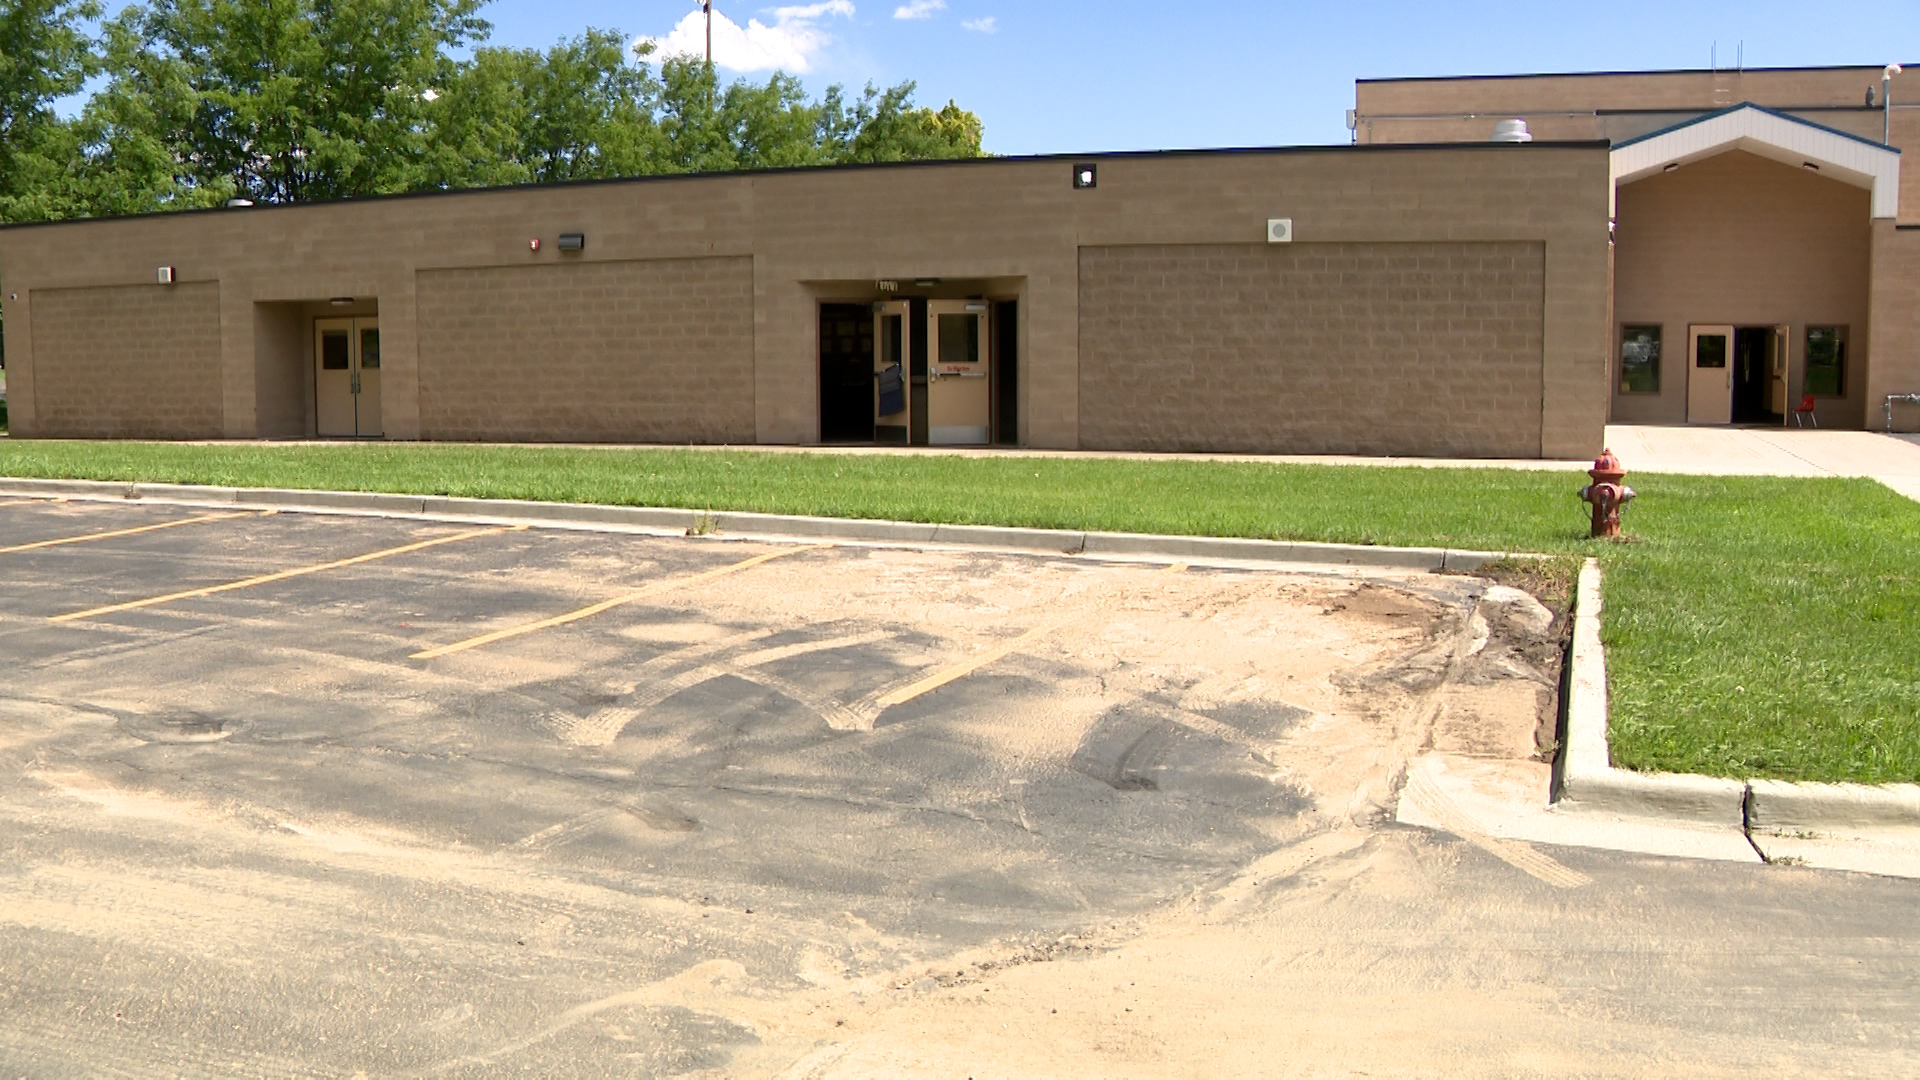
892,371
346,378
959,374
1709,374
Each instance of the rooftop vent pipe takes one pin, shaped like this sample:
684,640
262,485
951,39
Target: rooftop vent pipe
1512,131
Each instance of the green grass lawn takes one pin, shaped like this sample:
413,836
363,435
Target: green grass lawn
1755,626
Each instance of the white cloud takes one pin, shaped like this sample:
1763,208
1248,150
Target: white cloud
919,9
788,44
987,25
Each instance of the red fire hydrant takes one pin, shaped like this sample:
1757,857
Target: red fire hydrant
1607,494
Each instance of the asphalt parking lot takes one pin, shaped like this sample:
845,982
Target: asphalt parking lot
300,794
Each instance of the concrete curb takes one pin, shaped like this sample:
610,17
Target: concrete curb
1590,783
1588,780
739,525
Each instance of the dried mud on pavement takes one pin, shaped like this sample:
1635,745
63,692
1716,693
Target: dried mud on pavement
306,795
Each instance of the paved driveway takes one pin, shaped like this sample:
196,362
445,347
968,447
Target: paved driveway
292,794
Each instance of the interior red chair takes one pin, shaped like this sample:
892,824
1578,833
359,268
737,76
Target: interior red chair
1805,409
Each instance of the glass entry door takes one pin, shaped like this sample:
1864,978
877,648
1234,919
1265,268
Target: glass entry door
959,374
1710,375
346,377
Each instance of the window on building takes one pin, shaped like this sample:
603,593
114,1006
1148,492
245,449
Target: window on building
1640,360
1827,361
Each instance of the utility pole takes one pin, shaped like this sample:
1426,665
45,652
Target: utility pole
706,6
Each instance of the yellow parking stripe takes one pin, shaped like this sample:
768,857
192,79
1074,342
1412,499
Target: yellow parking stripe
966,667
594,609
37,499
974,663
283,575
121,532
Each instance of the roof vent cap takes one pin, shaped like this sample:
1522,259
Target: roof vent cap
1512,131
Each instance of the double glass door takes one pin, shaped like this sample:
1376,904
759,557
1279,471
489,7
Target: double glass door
346,377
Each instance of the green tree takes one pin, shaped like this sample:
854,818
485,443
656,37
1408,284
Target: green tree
44,55
285,100
579,111
884,126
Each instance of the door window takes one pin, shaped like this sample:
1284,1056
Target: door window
959,339
1710,351
369,347
333,350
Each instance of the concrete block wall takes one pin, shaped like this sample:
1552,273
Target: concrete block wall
657,350
1376,348
1893,366
1623,105
708,280
127,362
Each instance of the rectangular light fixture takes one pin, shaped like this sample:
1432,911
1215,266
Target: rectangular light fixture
1085,176
165,275
573,241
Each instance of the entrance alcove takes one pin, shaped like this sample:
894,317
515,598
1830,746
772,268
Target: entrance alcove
316,365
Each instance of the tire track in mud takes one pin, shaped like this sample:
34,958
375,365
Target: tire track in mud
604,726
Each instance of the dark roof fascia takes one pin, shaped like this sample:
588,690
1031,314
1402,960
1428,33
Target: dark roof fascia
1717,113
1617,74
791,170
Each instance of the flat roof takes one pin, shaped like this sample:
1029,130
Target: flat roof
1616,74
1029,159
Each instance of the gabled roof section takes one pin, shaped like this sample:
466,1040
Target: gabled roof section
1768,133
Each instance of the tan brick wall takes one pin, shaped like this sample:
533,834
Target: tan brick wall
999,228
1741,240
1894,366
1621,106
130,362
1361,348
644,351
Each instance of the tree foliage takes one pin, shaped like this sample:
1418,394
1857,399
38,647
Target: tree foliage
292,100
44,55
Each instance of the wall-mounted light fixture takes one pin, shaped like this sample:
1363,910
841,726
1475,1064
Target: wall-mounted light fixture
1280,230
1085,176
573,241
925,282
1670,166
341,301
1810,165
164,275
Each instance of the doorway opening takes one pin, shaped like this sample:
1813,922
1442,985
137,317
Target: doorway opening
1737,374
1760,375
846,373
920,371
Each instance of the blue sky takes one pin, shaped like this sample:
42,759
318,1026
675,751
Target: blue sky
1059,76
1076,75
